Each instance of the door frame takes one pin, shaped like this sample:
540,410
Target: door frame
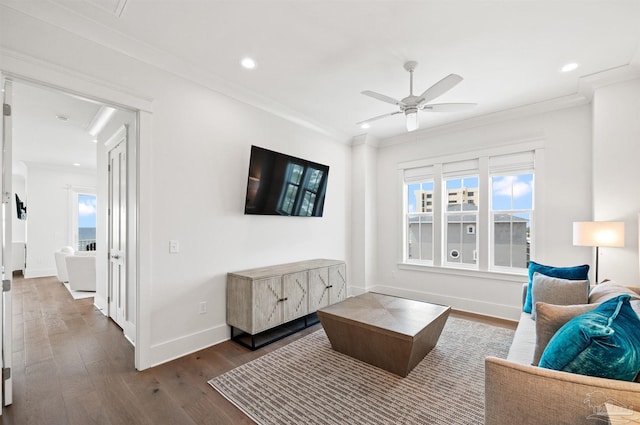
6,308
51,76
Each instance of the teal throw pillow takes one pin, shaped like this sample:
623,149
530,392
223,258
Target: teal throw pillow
604,342
570,273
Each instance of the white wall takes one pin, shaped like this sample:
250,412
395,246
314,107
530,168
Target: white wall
200,168
565,189
364,215
49,212
616,150
193,182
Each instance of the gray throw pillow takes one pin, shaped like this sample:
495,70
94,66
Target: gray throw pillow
550,318
553,290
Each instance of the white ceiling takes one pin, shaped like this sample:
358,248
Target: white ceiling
315,56
39,136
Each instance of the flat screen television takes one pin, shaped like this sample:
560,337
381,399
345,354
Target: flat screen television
280,184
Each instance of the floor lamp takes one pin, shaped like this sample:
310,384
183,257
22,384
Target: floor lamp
598,234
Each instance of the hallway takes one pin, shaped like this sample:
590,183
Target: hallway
72,365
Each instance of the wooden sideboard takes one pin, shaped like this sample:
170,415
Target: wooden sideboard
265,298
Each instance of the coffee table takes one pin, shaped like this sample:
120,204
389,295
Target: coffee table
388,332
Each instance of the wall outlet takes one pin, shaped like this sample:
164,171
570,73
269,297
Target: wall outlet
203,307
174,247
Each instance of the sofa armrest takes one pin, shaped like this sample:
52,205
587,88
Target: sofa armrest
635,289
529,395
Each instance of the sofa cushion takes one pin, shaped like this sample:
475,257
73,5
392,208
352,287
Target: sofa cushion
550,318
572,273
524,340
604,342
553,290
608,290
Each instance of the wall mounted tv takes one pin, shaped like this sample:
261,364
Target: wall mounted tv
280,184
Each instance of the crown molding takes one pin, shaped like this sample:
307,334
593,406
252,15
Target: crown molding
365,139
32,70
588,84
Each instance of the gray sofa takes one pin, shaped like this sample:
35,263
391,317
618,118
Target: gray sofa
518,393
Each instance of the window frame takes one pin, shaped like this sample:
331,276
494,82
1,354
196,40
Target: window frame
415,170
419,215
492,212
446,251
73,218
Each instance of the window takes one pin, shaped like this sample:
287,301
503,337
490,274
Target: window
419,222
479,214
86,222
511,212
461,245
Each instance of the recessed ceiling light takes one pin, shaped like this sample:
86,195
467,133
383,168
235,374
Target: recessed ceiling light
95,140
365,126
62,118
569,67
248,63
75,164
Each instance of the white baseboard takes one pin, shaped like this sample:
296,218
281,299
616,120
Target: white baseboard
500,311
356,290
180,347
100,303
30,273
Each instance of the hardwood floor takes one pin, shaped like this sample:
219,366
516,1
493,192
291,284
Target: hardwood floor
72,365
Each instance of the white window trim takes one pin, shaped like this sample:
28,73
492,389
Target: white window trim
483,232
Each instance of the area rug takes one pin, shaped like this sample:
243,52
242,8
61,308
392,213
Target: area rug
78,295
307,382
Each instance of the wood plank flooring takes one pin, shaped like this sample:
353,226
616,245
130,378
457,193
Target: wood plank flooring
72,365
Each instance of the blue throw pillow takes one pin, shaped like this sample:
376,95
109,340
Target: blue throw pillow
570,273
604,342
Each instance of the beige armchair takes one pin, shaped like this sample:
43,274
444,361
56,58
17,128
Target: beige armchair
81,269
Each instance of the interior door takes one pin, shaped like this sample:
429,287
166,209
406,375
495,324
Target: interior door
118,230
6,389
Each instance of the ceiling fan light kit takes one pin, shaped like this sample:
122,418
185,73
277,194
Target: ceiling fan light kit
412,104
412,119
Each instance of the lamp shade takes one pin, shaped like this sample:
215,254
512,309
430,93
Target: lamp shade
598,233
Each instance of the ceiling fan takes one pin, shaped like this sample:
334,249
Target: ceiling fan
411,104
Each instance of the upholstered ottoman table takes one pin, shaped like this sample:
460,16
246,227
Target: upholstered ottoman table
388,332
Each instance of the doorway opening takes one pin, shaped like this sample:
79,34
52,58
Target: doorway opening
60,158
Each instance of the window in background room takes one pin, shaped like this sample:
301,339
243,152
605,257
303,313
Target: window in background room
511,217
420,221
461,219
86,222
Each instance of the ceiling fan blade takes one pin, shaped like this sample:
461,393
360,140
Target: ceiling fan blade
381,97
449,107
378,117
440,88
